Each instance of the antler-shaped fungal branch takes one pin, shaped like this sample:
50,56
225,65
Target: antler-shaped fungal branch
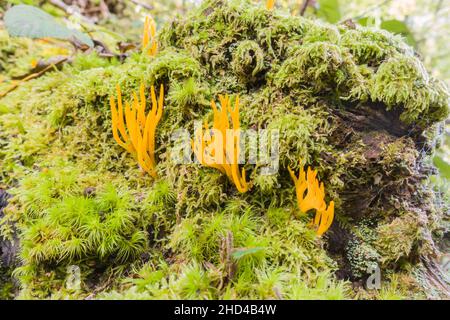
221,149
270,4
136,133
149,42
314,198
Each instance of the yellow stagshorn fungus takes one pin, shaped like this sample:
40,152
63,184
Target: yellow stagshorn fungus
149,42
314,198
136,133
270,4
221,149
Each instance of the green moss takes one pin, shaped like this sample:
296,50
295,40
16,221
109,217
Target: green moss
248,60
396,239
403,81
335,95
370,46
173,65
361,254
322,66
62,224
362,258
299,135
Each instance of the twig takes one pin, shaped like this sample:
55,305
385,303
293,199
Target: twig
304,7
104,9
69,10
364,13
60,4
143,5
438,8
33,76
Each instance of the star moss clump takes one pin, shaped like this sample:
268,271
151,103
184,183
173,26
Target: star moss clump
354,103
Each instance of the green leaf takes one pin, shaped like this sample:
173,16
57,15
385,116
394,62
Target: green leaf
243,252
398,27
367,21
4,109
31,22
443,166
329,10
